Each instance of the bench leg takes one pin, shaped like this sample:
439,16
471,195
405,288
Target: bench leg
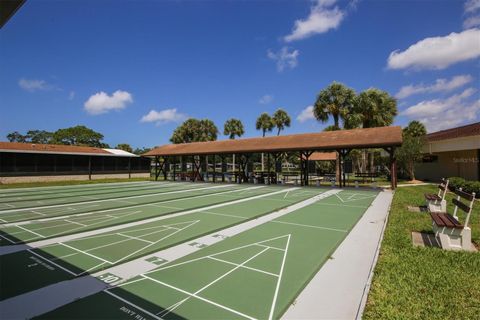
467,239
437,206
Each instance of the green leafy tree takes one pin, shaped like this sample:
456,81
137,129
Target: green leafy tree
79,136
411,150
372,108
336,101
233,128
124,147
281,119
141,151
39,136
194,130
264,123
16,137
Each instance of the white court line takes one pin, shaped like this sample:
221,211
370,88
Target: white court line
223,214
279,278
339,205
33,211
49,261
74,222
270,247
1,236
132,304
310,226
114,199
200,298
37,234
86,253
135,238
245,267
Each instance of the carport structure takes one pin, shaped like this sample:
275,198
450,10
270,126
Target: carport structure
304,145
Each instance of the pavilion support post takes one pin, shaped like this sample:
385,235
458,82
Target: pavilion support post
393,167
224,167
156,168
165,168
174,160
304,155
129,168
90,168
268,168
214,178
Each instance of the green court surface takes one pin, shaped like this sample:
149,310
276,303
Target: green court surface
124,200
38,230
38,199
77,257
256,274
125,197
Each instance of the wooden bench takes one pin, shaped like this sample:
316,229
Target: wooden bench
450,233
436,202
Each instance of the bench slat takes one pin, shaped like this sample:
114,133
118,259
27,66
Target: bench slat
464,195
461,205
431,196
446,220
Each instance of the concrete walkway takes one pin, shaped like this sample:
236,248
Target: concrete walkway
51,297
339,290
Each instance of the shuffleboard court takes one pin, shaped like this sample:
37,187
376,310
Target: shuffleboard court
254,275
86,255
61,198
30,198
164,194
19,194
94,219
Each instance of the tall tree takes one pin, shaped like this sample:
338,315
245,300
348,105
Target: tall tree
140,151
233,128
16,136
79,136
124,147
336,101
372,108
39,136
194,130
264,123
281,119
411,150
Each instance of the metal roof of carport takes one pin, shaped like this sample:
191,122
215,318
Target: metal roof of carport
328,140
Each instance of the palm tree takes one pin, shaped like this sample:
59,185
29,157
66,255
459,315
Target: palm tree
264,123
373,108
232,128
415,129
337,101
281,119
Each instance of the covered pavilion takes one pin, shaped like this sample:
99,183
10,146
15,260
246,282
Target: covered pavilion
305,145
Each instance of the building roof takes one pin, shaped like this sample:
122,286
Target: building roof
61,149
323,156
328,140
458,132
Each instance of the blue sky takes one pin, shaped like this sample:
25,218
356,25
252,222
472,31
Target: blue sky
134,70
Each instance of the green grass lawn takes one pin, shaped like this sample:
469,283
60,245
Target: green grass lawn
423,283
67,182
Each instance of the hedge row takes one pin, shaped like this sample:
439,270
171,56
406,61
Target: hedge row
466,185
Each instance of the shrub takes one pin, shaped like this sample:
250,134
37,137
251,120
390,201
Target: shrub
466,185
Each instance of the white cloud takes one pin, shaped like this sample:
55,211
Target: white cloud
101,102
284,58
306,114
471,22
472,5
71,95
266,99
163,116
439,86
439,114
321,19
32,85
438,52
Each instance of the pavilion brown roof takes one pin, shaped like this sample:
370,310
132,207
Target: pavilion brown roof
323,156
458,132
328,140
50,148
